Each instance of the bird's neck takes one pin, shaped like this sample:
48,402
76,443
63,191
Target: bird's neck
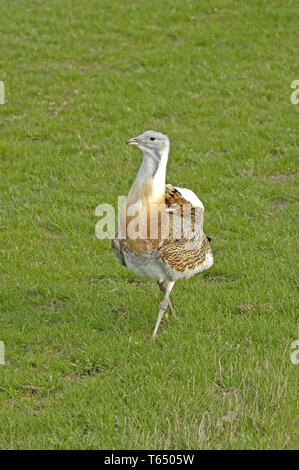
148,190
149,184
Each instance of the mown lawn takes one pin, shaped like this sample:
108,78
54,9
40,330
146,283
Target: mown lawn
81,77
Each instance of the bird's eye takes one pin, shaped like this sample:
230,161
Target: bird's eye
152,138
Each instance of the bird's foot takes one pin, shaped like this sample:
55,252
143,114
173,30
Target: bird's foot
172,310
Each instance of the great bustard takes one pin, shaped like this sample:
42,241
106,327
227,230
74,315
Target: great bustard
150,240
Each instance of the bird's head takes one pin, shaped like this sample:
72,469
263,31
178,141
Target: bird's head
150,142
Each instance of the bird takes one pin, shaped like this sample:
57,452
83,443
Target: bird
160,234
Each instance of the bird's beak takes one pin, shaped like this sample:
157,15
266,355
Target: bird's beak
133,141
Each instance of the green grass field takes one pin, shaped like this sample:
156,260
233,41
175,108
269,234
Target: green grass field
81,77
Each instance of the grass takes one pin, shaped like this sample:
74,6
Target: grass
80,78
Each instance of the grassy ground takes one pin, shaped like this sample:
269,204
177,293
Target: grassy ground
81,77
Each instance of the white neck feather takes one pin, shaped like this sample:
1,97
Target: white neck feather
150,180
148,188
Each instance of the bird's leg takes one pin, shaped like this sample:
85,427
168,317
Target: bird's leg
162,287
163,307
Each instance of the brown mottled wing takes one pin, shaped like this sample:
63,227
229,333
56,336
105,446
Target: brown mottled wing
178,205
182,255
184,218
173,196
186,252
